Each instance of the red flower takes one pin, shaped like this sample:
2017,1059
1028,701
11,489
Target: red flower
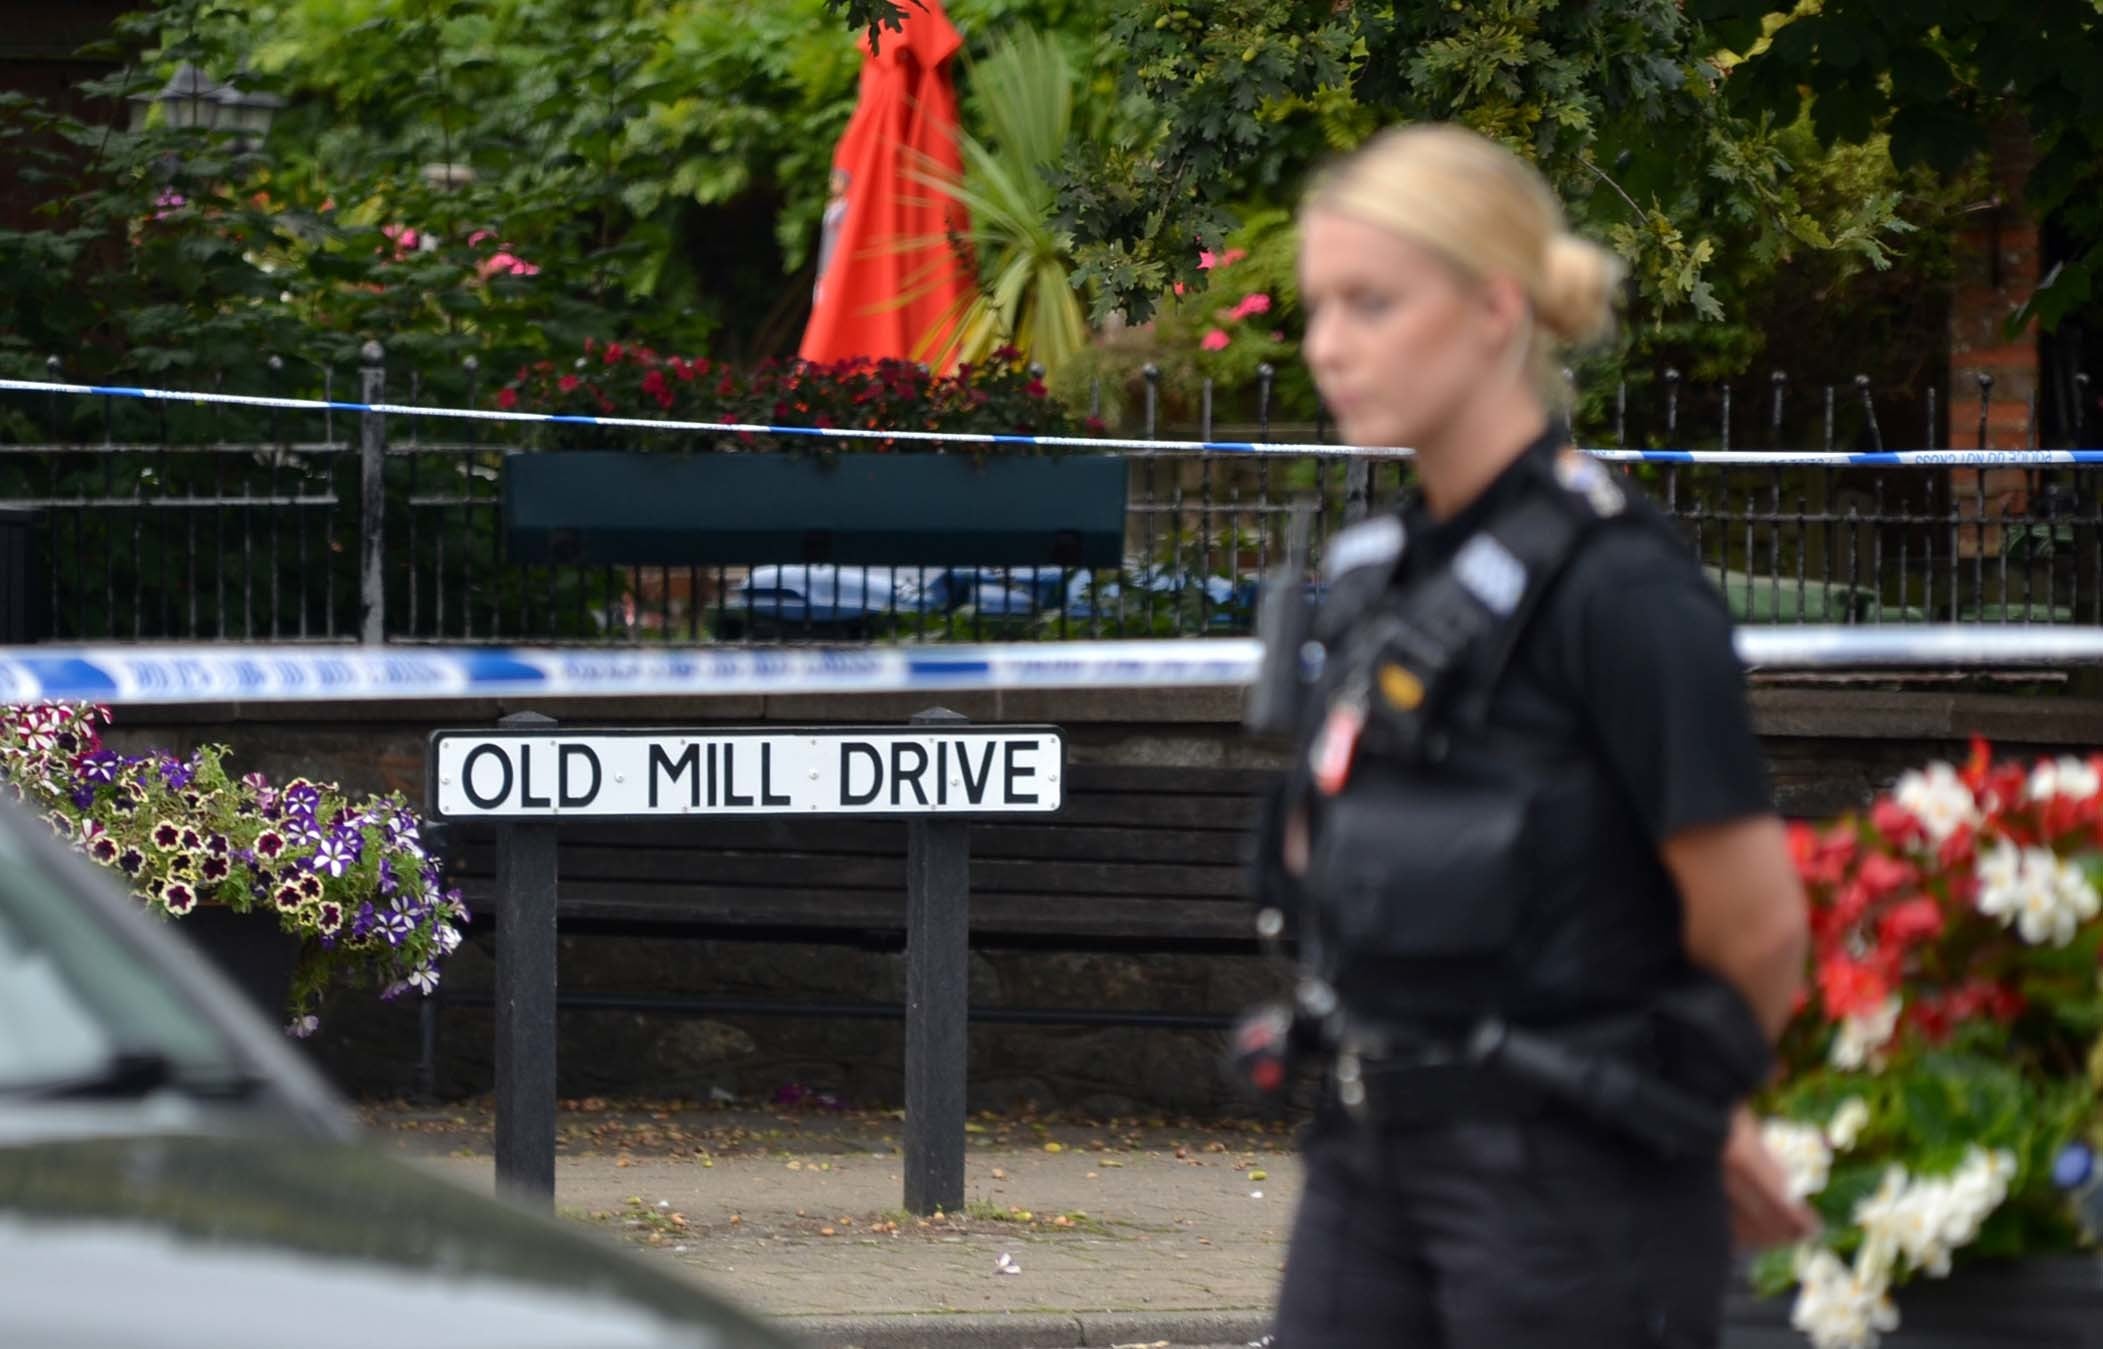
507,399
613,352
1852,987
1894,822
567,383
1881,874
1917,920
1957,849
1983,997
1931,1017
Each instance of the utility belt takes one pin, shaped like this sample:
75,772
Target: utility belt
1612,1071
1667,1080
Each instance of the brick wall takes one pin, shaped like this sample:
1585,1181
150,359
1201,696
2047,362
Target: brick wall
1997,261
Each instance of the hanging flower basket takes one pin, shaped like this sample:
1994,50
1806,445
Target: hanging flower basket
345,882
1939,1108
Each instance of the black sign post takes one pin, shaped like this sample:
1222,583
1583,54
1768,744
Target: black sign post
525,1006
937,1002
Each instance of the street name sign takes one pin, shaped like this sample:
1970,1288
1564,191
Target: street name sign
653,774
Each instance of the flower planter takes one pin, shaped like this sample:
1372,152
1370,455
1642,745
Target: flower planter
2044,1302
330,884
1939,1109
250,949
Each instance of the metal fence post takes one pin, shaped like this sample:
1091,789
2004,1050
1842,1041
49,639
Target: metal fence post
937,1002
372,514
525,1000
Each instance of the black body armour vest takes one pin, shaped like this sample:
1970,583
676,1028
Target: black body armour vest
1441,840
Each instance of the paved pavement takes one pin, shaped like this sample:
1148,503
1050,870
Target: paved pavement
1128,1232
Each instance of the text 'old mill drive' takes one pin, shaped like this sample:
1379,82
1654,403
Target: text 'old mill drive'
805,771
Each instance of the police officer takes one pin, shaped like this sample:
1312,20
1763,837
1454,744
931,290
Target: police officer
1526,852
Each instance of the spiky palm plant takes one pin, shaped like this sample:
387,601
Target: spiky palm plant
1024,298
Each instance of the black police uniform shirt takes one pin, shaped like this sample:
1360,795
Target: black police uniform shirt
1628,661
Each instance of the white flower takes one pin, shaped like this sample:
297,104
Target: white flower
2046,899
1863,1034
448,937
1847,1124
425,979
1927,1218
1838,1308
2066,776
1937,798
1802,1153
303,1026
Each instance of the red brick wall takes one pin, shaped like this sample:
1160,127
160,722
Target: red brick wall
1997,259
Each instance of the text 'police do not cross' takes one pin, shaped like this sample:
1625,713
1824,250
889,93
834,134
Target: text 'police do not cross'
831,771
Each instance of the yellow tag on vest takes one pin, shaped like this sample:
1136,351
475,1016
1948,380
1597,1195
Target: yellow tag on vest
1403,690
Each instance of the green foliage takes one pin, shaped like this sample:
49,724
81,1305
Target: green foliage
1943,79
663,166
1617,104
1025,295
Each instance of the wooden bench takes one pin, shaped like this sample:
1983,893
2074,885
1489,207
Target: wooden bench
1147,856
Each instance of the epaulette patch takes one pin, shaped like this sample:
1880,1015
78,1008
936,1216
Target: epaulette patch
1372,543
1585,476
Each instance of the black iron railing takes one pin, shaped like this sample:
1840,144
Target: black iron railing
160,522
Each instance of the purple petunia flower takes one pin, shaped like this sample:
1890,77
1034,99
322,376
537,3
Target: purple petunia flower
103,850
215,868
287,899
333,856
301,795
83,797
130,860
217,845
99,766
387,881
309,886
176,774
270,844
178,897
329,918
255,782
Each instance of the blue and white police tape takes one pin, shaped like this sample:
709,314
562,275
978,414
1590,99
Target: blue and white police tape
1766,458
211,673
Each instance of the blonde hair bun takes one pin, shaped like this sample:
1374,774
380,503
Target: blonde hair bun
1486,212
1578,280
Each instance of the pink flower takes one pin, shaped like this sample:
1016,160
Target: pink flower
479,235
1215,339
507,263
1258,303
1207,260
1277,334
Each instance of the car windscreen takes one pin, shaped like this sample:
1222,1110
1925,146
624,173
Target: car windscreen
75,998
